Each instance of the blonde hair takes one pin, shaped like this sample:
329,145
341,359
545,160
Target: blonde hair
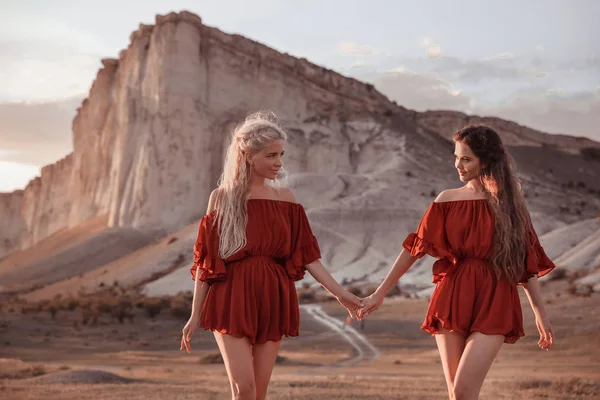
249,138
513,231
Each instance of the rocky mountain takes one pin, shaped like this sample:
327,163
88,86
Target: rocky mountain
150,138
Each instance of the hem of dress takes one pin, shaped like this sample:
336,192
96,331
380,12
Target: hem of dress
431,326
252,339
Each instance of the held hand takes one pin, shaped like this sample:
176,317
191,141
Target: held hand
371,304
188,332
350,302
546,333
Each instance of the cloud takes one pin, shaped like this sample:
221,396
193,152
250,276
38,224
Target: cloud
582,64
37,133
353,49
557,91
517,70
44,69
552,111
504,71
357,65
433,49
474,71
419,91
502,56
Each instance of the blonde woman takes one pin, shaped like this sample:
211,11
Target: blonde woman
486,245
253,243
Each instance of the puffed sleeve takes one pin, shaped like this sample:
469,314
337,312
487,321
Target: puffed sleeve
206,252
304,248
430,237
537,262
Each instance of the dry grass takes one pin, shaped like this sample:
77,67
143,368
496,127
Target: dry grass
573,388
558,274
332,387
146,352
114,303
23,372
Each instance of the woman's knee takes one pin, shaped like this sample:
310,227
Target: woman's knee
463,392
244,389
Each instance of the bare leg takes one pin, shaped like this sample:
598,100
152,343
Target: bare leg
265,356
237,355
480,351
451,346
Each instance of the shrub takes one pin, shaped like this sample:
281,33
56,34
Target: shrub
153,306
394,291
306,295
355,290
181,307
70,304
558,274
590,153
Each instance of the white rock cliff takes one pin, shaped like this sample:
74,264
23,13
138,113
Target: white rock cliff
149,141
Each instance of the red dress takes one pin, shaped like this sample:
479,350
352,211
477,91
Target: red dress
252,293
468,297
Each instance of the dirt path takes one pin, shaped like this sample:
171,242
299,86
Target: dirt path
365,350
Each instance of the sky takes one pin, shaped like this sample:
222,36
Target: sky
535,62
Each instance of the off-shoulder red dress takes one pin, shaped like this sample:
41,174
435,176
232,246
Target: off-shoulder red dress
252,293
468,297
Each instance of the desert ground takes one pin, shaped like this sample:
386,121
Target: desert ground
387,357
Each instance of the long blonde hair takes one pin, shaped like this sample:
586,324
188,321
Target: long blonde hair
513,231
249,138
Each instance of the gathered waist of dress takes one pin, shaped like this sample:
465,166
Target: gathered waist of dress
442,266
255,257
466,259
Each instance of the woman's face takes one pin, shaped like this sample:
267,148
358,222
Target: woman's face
466,162
268,162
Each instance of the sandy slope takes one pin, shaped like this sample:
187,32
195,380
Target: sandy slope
131,269
351,258
360,221
53,244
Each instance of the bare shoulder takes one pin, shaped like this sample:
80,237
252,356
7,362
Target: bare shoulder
212,201
287,194
448,195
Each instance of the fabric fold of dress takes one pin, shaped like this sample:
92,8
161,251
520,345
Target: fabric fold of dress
252,293
468,297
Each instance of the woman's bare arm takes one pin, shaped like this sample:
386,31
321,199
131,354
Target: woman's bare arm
321,275
201,288
200,292
533,292
402,264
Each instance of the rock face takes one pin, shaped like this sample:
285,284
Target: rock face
41,209
447,122
150,138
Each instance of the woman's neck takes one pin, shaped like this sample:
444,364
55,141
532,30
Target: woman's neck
476,186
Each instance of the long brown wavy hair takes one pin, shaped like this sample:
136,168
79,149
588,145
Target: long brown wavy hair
503,189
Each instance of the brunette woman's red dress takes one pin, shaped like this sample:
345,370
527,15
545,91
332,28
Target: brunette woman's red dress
252,293
468,298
